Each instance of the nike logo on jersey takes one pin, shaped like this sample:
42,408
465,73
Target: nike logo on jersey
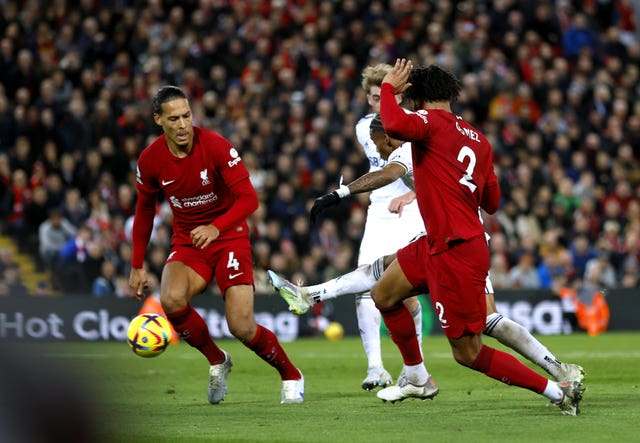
171,255
166,183
232,276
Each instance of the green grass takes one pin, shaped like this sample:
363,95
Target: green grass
164,399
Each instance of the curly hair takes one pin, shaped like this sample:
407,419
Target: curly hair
373,75
432,84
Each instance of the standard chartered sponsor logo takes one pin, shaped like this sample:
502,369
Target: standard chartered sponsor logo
191,202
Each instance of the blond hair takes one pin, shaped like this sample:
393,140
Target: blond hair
373,75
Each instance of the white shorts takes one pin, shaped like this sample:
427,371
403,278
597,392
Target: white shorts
386,232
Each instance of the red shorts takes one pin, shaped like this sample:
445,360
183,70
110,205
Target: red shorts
231,260
456,280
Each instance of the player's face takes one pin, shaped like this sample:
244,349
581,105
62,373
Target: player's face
176,123
373,98
383,145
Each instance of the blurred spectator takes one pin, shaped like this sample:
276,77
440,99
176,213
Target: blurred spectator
524,274
14,204
499,272
11,282
109,283
35,213
581,252
79,259
599,272
53,233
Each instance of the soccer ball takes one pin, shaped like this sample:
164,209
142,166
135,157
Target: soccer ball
149,334
334,331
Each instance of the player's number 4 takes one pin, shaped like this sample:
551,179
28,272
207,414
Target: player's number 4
466,180
233,262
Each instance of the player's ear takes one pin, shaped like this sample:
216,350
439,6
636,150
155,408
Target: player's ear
156,118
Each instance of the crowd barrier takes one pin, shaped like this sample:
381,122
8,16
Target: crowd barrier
85,318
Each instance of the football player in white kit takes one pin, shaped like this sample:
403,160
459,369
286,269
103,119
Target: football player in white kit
393,219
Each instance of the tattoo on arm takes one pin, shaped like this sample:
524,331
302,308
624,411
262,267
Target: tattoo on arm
376,179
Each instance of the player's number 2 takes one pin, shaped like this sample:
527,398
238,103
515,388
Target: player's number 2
466,180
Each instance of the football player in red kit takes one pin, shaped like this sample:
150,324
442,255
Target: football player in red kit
453,174
207,186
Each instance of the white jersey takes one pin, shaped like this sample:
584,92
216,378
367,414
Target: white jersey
383,195
385,232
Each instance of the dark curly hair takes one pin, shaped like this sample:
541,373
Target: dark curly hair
432,84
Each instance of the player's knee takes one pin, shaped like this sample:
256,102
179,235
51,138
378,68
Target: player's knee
173,301
241,328
465,359
381,299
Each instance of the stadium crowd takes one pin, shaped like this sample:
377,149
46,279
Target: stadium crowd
555,85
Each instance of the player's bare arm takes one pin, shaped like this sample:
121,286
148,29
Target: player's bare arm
203,235
377,179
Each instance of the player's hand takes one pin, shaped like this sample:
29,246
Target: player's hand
321,203
203,235
138,282
397,204
399,75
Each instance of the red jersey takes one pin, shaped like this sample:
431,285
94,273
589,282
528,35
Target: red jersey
453,170
197,187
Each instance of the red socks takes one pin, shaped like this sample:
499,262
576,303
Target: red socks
266,345
506,368
403,333
193,329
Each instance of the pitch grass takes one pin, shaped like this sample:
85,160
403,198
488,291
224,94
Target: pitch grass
163,399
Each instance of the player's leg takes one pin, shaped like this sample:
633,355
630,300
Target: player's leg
179,283
234,274
461,308
469,351
357,281
369,318
518,338
241,322
389,293
414,307
301,298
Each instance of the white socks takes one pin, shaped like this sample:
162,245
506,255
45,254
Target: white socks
416,374
553,391
358,281
511,334
369,318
